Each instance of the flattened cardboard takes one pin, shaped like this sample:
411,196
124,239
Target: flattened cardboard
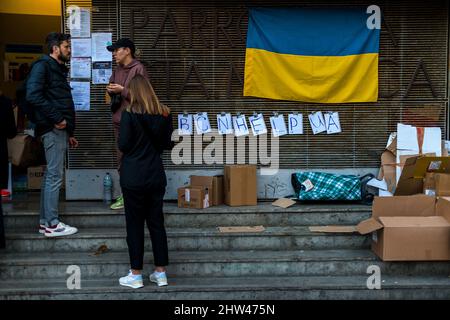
333,229
240,185
392,147
419,205
214,185
442,184
283,203
368,226
241,229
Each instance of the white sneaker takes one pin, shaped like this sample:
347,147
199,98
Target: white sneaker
60,230
159,278
42,228
132,281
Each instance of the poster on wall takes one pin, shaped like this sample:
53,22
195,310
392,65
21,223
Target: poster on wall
101,72
81,94
79,22
81,48
99,43
80,68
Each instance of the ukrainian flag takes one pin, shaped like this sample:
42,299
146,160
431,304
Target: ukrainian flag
311,55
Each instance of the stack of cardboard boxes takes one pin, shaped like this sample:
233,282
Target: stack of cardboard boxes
237,187
411,222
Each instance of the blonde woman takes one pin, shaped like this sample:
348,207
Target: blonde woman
145,131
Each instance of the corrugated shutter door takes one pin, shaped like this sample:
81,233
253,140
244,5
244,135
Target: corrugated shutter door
419,30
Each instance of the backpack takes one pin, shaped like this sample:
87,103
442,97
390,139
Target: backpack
21,95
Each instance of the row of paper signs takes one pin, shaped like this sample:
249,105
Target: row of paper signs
226,124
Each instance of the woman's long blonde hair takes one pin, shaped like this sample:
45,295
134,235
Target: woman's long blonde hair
143,98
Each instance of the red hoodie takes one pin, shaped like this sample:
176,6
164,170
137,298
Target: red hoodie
122,75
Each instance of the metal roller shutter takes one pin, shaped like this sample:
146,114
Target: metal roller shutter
418,32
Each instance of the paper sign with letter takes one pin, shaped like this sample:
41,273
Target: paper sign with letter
295,123
224,123
317,122
240,126
185,124
258,125
80,23
202,123
332,122
278,126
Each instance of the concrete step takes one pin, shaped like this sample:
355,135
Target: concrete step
215,264
95,214
272,238
229,288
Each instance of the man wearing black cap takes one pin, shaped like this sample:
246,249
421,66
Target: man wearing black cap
127,67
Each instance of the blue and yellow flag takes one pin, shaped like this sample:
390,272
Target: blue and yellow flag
311,55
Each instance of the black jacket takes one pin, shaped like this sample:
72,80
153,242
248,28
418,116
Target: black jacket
7,131
142,140
51,102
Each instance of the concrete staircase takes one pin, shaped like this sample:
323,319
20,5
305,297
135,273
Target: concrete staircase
286,261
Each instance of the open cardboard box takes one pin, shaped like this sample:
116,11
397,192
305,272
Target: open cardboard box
409,228
415,170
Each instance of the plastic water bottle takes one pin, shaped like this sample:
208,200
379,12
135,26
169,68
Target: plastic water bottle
107,188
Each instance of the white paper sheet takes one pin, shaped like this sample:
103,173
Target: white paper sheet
258,125
332,122
384,193
202,123
278,126
379,184
99,43
81,93
295,123
391,138
432,141
185,124
317,122
81,48
407,138
224,123
240,126
101,72
80,23
80,68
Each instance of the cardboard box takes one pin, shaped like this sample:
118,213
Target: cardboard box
442,184
25,151
240,185
193,197
34,177
214,185
409,228
415,170
429,184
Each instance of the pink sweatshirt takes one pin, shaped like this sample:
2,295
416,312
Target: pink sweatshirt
122,75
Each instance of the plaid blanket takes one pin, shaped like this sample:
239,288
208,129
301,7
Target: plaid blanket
326,186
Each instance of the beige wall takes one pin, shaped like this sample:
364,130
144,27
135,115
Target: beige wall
23,29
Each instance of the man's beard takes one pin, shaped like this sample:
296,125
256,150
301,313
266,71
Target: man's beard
63,58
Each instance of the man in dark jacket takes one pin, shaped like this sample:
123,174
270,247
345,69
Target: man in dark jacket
7,131
50,96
